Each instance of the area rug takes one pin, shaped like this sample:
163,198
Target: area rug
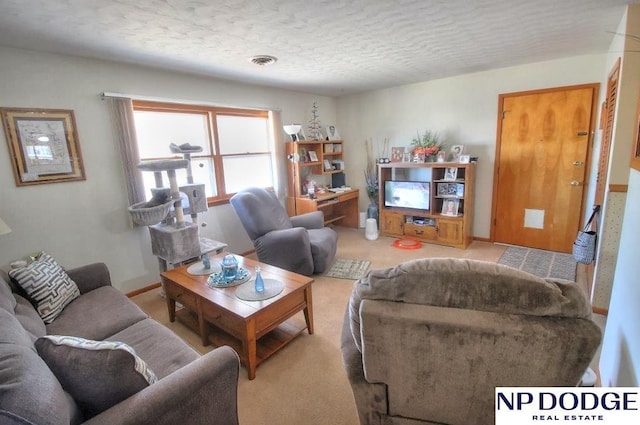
344,268
541,263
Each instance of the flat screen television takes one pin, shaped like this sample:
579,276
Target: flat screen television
406,194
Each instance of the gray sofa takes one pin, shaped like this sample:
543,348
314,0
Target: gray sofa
191,389
428,341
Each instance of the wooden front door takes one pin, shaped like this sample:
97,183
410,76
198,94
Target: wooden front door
541,166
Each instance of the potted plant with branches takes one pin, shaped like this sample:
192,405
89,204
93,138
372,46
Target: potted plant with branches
426,146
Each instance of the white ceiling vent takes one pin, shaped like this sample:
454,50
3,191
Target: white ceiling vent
263,60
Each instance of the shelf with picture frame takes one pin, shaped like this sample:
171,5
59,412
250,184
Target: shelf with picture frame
449,219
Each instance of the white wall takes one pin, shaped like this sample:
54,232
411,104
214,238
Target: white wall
620,358
463,109
83,222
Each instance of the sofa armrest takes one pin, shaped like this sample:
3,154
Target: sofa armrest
90,277
312,220
204,392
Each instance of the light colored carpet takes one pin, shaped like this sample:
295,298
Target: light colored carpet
344,268
547,264
305,383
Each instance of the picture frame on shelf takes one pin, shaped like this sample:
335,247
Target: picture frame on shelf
302,153
43,145
397,154
406,157
443,189
442,156
450,207
459,189
464,159
455,152
332,132
451,173
327,165
313,157
301,136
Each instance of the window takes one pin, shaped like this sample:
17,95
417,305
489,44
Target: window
237,149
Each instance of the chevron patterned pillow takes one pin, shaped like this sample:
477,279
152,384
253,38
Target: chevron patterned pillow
47,284
97,374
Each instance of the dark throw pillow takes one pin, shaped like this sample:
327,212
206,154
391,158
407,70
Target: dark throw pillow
97,374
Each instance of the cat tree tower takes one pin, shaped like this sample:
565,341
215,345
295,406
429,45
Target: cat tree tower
173,239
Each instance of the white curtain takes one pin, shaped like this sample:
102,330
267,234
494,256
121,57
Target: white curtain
279,156
125,131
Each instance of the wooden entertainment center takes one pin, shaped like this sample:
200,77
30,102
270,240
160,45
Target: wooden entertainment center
319,157
449,219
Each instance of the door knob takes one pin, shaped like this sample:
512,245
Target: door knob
577,163
576,183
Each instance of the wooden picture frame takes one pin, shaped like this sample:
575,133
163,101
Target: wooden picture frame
43,145
450,207
450,173
455,152
635,154
396,154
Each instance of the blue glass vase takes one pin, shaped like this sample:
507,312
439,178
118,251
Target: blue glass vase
229,266
259,282
372,211
206,263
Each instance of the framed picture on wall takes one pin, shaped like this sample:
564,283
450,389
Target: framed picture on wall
43,145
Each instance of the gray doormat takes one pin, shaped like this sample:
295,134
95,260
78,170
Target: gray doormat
348,269
541,263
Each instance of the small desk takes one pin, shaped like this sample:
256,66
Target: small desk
339,208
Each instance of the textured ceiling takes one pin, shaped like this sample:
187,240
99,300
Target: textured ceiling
324,47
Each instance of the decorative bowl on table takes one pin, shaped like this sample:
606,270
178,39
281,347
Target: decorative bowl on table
217,280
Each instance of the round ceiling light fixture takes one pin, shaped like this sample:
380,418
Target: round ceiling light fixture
263,60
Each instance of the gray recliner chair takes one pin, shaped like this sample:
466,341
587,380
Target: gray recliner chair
428,341
301,244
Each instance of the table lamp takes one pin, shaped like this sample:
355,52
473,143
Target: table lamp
292,130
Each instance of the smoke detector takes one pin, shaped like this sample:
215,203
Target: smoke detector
263,60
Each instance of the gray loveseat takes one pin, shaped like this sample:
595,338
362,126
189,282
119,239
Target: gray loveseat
191,389
428,341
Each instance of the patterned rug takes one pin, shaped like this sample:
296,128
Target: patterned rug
541,263
348,269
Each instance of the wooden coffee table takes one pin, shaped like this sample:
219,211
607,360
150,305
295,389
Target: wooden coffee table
255,329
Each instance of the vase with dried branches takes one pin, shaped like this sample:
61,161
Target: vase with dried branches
371,180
